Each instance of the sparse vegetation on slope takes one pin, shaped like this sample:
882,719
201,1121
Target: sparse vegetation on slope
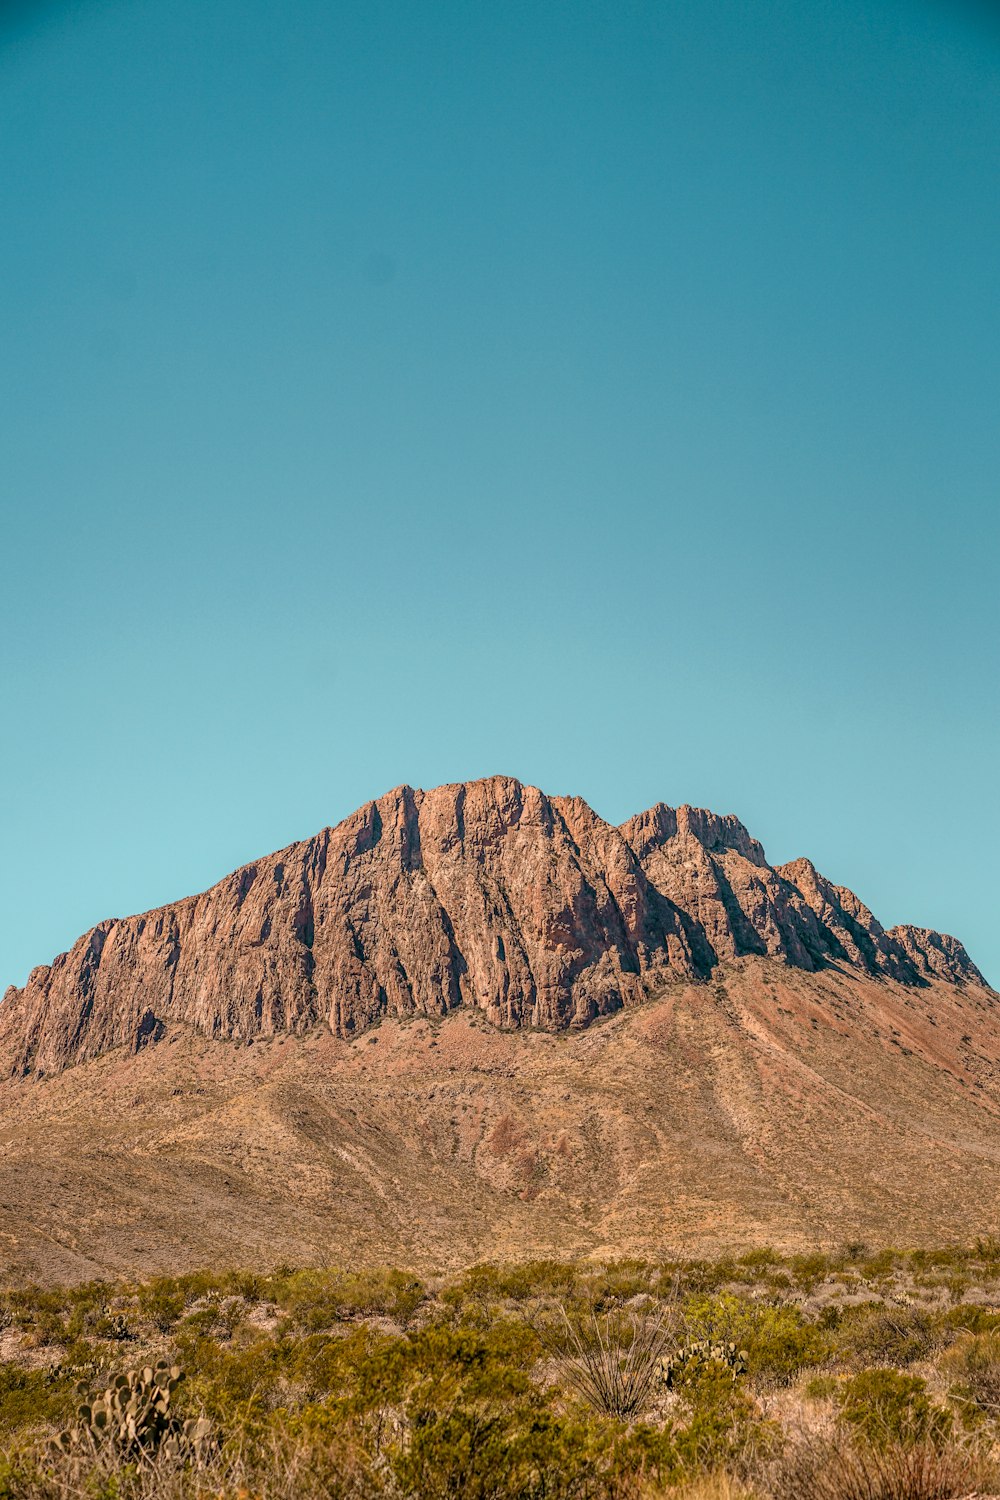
829,1376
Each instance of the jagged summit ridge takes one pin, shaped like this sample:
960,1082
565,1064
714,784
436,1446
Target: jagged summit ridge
488,894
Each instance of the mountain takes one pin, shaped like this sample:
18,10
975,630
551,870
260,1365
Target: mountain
487,894
479,1022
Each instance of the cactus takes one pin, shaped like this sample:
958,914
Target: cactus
134,1415
691,1358
114,1326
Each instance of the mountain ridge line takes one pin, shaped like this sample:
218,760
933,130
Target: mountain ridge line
490,893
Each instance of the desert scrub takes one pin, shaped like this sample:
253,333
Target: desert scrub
819,1468
612,1359
503,1451
487,1285
968,1318
759,1261
885,1333
236,1386
618,1282
162,1303
378,1387
42,1316
886,1408
719,1424
315,1300
973,1364
694,1276
808,1271
880,1266
779,1341
219,1316
34,1399
367,1371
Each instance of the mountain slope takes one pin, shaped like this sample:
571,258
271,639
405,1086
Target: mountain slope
489,895
770,1105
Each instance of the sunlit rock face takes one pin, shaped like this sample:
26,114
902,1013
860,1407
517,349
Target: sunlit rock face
486,894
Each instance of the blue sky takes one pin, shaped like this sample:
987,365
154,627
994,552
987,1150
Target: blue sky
601,393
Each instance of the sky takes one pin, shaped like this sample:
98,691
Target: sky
602,392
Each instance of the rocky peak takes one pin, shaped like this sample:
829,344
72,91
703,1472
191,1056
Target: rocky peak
936,955
716,833
487,894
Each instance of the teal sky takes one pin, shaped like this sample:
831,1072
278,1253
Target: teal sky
607,394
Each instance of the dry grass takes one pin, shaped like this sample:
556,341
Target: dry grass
284,1470
820,1468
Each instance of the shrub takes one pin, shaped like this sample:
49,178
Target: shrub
970,1318
778,1341
530,1279
809,1269
760,1259
41,1315
886,1408
30,1398
887,1333
880,1265
491,1452
162,1302
234,1386
441,1364
973,1362
319,1299
724,1425
618,1282
821,1387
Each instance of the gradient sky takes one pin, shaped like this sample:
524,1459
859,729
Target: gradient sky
607,394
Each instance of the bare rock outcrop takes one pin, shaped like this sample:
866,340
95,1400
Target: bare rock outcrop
487,894
935,955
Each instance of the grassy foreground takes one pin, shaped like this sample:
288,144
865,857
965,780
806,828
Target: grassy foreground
855,1376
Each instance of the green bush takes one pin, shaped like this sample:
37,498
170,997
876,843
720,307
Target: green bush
809,1270
373,1386
162,1302
33,1398
886,1334
821,1387
314,1300
237,1387
759,1260
970,1318
617,1283
724,1425
885,1407
778,1340
530,1279
880,1265
516,1451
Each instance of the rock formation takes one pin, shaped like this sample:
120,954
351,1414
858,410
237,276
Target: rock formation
488,894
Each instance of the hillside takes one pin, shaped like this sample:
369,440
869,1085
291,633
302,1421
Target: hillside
481,1023
769,1105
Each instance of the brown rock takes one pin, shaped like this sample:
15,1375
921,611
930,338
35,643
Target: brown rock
488,895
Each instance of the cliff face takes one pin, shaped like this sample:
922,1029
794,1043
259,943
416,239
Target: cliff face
488,894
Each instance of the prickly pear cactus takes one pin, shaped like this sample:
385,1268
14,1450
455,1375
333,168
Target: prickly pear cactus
687,1362
133,1414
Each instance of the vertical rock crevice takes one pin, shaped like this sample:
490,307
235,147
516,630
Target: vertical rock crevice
486,893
